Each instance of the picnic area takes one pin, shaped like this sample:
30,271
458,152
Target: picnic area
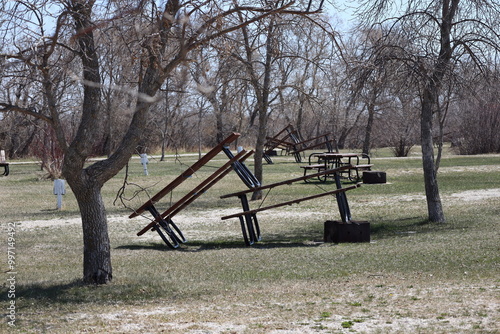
411,276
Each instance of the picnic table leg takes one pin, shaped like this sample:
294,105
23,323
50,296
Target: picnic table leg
6,170
242,170
164,238
297,156
345,213
167,226
249,225
172,229
268,159
244,231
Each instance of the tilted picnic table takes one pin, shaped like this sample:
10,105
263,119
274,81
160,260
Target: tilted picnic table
162,222
291,140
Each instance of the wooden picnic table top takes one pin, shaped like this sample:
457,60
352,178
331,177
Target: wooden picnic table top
190,171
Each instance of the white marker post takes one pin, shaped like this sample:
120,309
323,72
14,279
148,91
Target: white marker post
59,190
144,162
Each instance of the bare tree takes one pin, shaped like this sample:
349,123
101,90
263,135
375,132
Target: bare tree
477,127
158,42
441,33
218,77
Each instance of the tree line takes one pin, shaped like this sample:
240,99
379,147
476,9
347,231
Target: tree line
318,80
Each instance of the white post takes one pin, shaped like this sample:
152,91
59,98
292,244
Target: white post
2,156
59,190
144,162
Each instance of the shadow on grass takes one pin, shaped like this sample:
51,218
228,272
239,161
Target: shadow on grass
200,245
76,293
304,240
61,293
391,228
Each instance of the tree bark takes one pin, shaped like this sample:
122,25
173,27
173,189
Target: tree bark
434,206
369,123
96,246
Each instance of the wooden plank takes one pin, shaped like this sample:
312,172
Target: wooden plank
199,190
209,185
309,147
278,142
291,202
272,185
274,142
190,171
320,166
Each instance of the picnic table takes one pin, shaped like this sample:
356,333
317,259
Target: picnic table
248,217
332,160
290,140
162,222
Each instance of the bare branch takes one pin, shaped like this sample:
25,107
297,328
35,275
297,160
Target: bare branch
5,107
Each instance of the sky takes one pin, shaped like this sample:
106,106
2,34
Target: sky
343,11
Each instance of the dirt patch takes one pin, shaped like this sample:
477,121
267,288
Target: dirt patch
374,304
476,195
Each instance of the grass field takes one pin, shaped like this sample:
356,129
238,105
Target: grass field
412,277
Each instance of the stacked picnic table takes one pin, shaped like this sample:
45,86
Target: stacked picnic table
162,223
291,141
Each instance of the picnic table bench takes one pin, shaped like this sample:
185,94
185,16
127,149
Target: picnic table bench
248,217
162,222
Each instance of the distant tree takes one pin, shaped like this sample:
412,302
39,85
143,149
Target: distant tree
477,125
219,79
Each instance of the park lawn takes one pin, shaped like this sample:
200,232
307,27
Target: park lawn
413,276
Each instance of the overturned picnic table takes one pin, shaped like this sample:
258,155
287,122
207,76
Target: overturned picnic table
162,222
290,140
248,217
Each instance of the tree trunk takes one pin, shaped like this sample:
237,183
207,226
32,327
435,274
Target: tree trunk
96,247
263,104
259,151
429,100
369,127
434,206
